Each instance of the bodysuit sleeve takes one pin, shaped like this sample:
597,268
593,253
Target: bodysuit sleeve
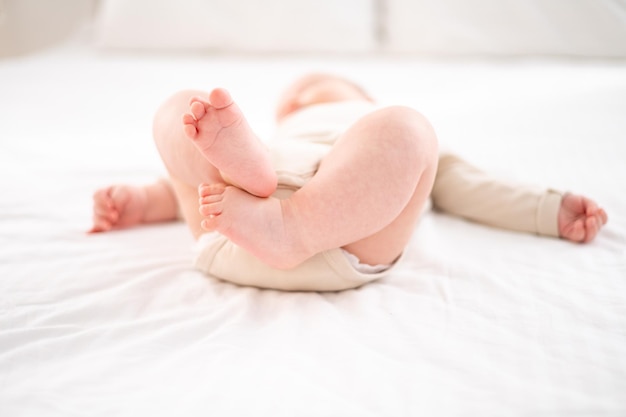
463,190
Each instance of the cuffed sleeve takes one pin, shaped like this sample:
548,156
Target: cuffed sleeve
463,190
548,212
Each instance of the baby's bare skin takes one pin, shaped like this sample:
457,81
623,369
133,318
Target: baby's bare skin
122,206
580,219
265,227
222,135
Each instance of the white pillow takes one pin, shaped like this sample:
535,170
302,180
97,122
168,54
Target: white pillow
507,27
237,25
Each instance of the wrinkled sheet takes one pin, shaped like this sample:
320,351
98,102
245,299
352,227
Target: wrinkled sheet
475,321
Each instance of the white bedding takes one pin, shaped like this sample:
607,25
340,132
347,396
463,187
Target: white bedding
476,321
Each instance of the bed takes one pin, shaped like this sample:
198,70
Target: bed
474,321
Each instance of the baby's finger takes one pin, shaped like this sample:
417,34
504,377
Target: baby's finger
600,216
111,215
599,220
591,226
95,229
577,231
590,206
119,198
102,197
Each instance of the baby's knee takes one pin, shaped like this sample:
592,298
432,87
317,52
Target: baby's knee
409,130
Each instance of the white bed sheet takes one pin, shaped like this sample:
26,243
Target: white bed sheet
476,321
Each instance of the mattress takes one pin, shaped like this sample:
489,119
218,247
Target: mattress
474,321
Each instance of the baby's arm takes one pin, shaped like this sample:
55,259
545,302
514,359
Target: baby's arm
463,190
122,206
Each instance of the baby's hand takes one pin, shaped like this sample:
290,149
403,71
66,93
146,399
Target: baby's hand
580,219
117,207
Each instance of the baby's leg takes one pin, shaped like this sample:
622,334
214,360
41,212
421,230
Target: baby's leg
221,135
187,166
394,155
366,197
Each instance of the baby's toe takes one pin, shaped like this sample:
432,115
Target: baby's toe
197,110
188,119
220,98
190,130
211,209
205,190
209,224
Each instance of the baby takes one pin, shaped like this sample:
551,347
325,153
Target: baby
333,201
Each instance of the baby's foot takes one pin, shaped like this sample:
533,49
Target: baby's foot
261,226
222,134
580,219
118,207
